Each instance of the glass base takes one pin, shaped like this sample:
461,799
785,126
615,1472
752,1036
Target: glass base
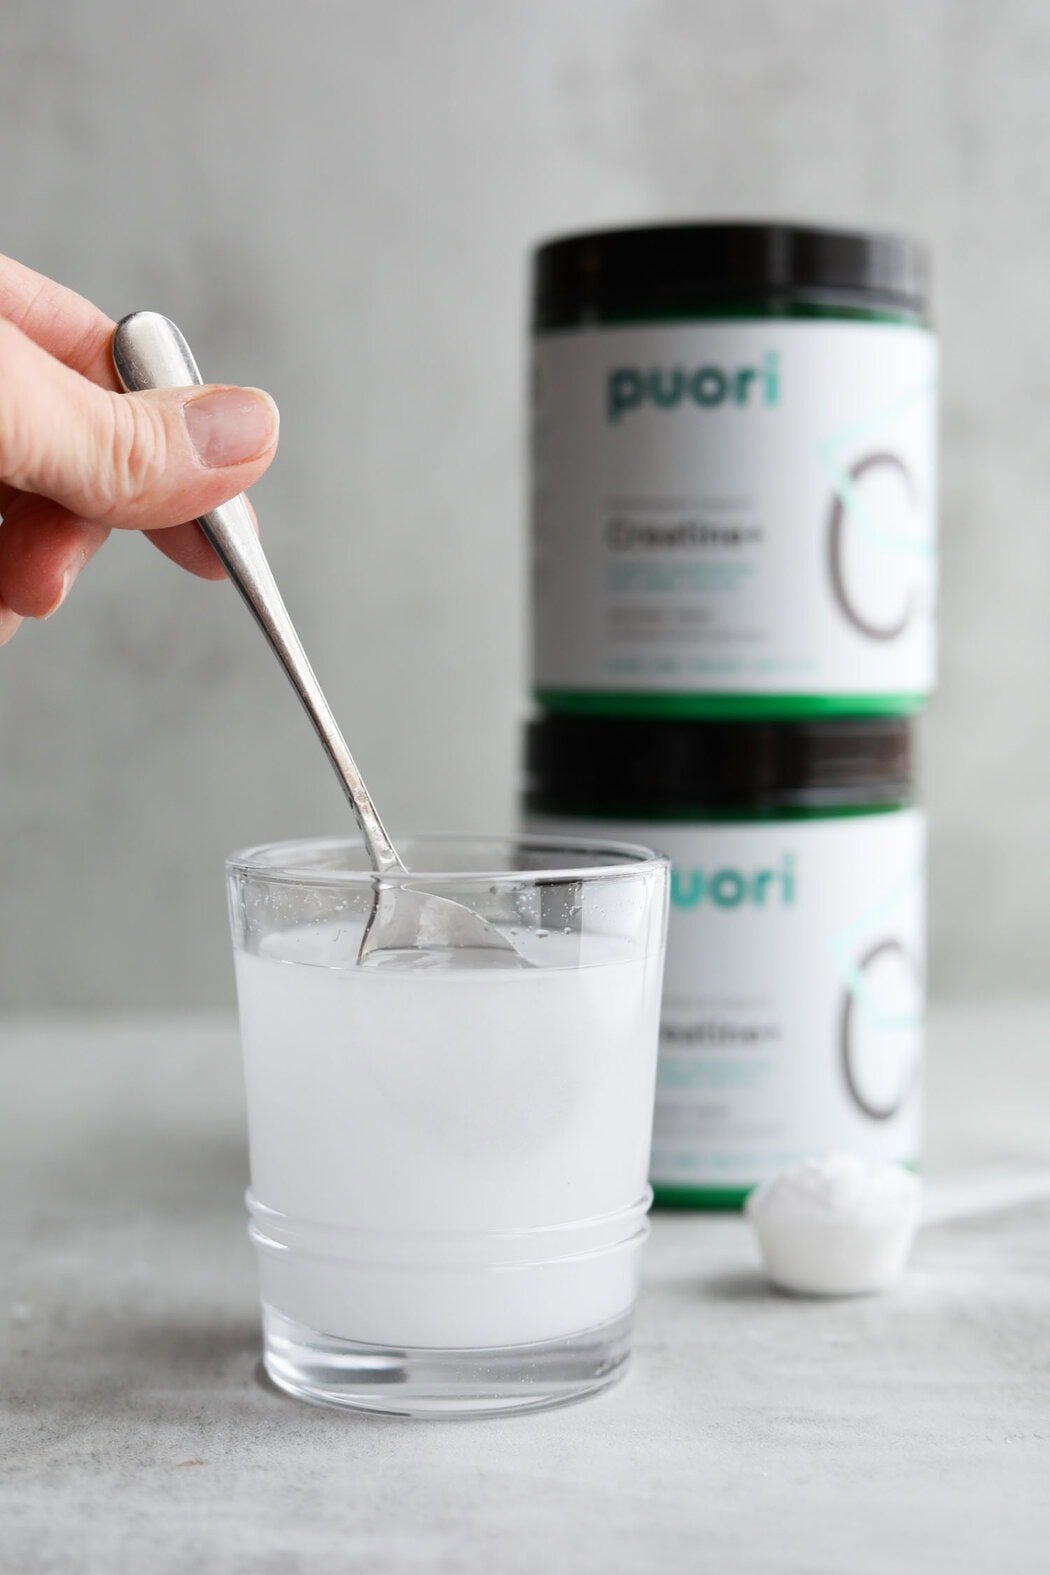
446,1384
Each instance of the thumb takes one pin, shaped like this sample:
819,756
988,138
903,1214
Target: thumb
126,460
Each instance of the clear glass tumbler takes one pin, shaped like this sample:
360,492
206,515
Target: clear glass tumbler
449,1150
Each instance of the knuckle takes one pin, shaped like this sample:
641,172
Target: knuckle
135,447
20,434
19,443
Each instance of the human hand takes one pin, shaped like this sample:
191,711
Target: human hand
79,459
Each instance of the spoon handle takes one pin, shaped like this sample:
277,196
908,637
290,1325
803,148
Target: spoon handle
150,352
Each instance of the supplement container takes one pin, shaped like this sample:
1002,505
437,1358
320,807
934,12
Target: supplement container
792,1019
733,473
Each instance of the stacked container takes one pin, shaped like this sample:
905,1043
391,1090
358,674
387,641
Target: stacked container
734,538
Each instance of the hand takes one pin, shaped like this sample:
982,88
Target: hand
78,459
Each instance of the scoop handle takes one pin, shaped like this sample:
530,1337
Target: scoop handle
150,352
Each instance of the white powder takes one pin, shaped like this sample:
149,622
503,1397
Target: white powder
836,1226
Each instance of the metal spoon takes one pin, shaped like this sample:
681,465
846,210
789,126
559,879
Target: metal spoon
150,352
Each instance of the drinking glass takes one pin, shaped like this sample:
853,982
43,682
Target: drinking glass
449,1149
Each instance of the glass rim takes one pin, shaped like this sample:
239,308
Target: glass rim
274,861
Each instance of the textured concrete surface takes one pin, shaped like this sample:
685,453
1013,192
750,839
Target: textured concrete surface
755,1433
336,199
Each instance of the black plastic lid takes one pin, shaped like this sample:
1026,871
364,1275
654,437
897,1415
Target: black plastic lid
681,268
641,767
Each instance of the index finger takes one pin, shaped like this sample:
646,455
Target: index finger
61,322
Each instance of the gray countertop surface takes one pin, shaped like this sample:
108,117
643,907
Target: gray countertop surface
755,1432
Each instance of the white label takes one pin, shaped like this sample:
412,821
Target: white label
735,508
793,993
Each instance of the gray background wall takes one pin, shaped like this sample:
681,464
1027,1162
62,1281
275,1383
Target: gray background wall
336,201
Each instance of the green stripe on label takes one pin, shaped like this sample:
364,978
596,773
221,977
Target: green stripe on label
699,1197
606,702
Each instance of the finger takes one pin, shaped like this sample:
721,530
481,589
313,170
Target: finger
9,622
126,460
188,546
58,320
42,550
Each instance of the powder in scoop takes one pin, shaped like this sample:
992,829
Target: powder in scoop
837,1226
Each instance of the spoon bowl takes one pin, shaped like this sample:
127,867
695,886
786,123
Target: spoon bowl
406,920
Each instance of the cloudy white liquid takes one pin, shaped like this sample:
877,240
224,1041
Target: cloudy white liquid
448,1156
